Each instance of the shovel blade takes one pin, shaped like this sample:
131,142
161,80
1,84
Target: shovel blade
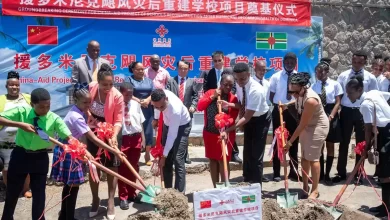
145,198
152,191
333,211
287,200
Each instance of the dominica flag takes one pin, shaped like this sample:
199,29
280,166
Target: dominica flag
271,41
248,199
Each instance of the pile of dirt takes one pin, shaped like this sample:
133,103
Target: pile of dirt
305,209
172,205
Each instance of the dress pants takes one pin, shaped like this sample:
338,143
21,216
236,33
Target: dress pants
291,124
235,150
255,137
187,157
350,120
131,147
176,157
22,163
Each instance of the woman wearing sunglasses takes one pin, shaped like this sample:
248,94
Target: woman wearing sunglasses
312,129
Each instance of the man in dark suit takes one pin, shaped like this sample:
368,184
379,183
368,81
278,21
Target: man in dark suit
85,69
186,89
212,79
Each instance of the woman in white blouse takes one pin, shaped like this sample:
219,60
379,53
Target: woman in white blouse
375,112
330,92
12,99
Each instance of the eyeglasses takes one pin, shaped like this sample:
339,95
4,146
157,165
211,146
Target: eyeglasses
217,61
79,86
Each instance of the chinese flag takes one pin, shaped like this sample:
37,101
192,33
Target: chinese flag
42,35
205,204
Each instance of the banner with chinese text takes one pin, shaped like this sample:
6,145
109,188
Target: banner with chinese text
234,203
275,12
48,61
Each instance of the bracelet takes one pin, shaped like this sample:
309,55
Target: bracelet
289,143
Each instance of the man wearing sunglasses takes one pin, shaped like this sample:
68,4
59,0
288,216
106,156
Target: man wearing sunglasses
176,130
279,92
212,80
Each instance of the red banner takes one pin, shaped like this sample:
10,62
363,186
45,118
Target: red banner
274,12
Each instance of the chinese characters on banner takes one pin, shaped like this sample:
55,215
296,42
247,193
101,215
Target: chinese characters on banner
275,12
66,61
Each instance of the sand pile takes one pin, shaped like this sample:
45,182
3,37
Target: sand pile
305,210
172,205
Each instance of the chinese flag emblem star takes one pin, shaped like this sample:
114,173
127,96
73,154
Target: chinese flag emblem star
42,35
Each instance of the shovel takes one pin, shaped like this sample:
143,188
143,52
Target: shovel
286,199
108,171
336,213
225,168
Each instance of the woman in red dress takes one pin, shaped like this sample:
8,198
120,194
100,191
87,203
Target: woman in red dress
212,143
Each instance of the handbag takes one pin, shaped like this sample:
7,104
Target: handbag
373,154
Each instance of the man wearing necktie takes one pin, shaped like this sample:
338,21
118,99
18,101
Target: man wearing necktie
255,118
279,92
212,79
350,117
85,69
186,89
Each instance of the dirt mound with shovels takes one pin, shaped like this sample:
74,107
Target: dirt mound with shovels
306,210
172,205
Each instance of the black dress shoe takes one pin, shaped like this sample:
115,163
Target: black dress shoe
188,161
265,179
124,205
328,181
277,179
236,159
376,209
338,179
381,214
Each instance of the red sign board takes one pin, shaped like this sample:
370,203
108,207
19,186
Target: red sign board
274,12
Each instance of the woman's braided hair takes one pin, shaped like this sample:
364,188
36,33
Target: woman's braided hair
301,78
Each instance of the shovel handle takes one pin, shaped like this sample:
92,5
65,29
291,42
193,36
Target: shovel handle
349,180
162,178
283,144
133,171
223,145
105,169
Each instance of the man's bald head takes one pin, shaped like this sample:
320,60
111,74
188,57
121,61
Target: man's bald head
93,49
260,68
155,62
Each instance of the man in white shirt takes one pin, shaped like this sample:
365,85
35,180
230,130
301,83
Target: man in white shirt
350,117
279,92
176,130
255,118
133,139
376,117
260,69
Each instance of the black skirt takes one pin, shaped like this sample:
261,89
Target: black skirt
384,151
334,135
93,149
